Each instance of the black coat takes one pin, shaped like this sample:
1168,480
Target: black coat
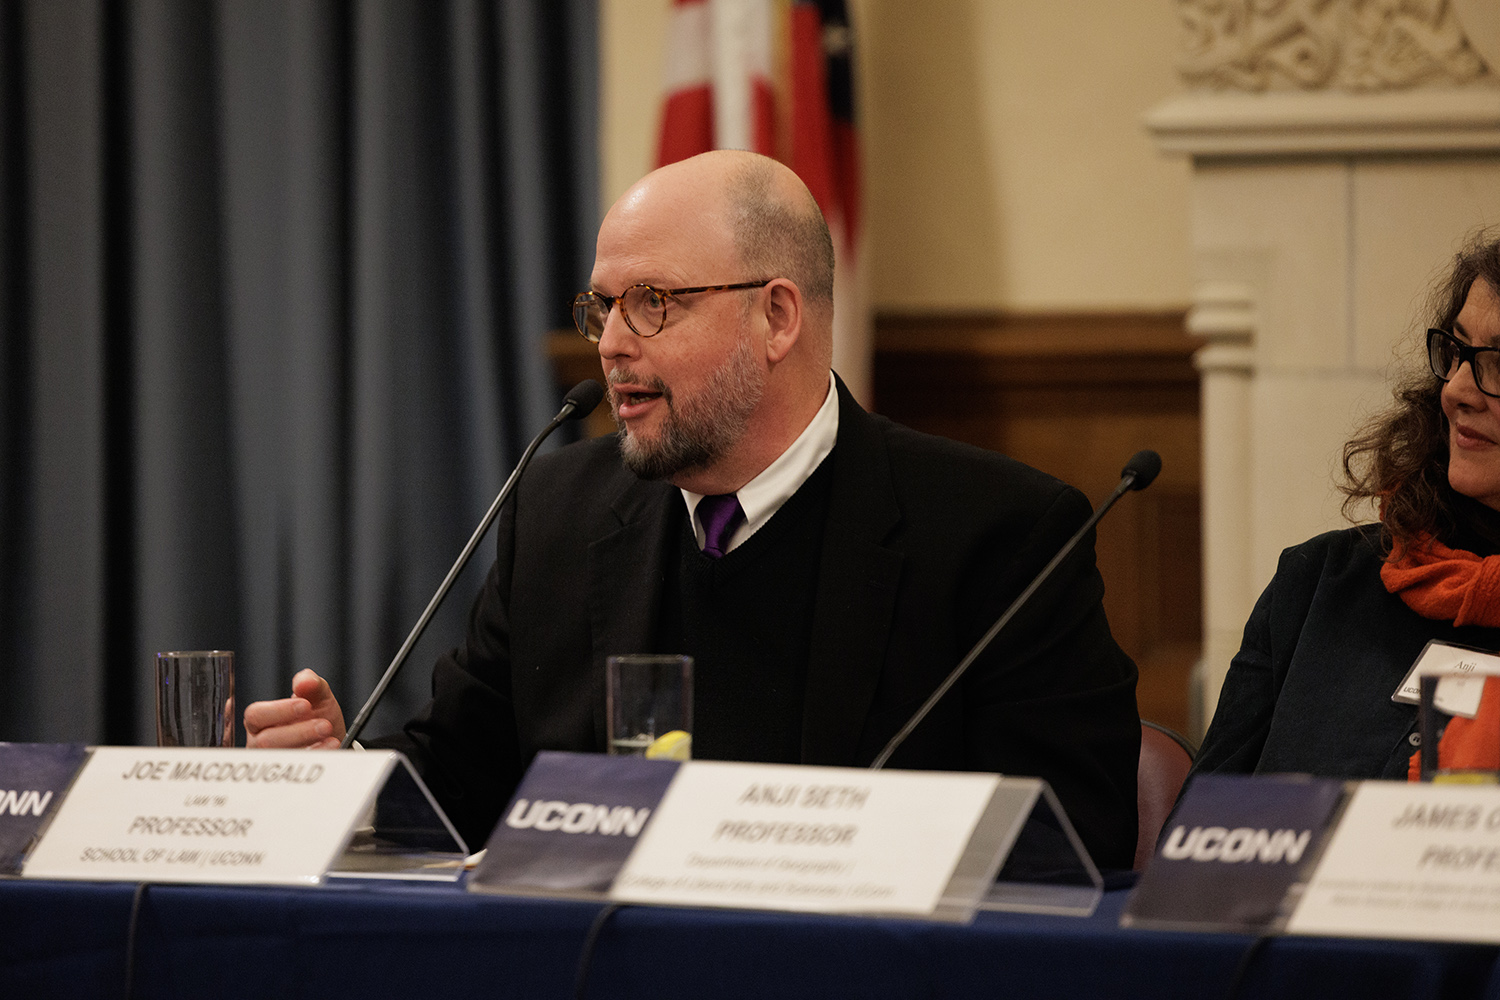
1325,648
925,543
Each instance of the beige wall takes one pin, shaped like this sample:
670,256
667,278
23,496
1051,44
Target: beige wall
632,47
1006,166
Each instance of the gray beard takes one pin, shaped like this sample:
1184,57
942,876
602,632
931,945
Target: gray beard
698,432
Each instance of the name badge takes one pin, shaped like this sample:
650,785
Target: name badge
1409,860
146,814
1455,695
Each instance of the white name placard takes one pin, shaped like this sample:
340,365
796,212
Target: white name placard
185,815
813,839
1409,861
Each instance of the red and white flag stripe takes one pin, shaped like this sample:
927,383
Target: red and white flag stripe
719,81
723,81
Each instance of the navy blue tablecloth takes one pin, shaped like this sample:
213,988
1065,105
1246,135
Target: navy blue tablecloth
61,939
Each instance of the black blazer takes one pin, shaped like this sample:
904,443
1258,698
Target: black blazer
926,542
1325,648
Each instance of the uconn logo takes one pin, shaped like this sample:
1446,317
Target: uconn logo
577,817
14,803
1215,843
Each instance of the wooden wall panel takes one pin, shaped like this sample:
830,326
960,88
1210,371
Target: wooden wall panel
573,360
1076,396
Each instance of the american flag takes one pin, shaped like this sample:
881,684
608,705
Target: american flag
778,78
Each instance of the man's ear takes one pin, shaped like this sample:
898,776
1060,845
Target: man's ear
783,312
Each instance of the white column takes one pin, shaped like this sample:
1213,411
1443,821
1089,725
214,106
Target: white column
1224,314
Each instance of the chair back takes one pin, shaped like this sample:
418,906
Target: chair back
1166,758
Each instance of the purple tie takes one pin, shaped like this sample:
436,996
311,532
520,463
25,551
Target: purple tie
719,515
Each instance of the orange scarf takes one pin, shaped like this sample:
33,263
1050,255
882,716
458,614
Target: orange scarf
1453,585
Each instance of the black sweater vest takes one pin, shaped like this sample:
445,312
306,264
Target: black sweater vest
746,619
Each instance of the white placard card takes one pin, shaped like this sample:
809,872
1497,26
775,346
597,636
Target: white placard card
1462,669
219,815
816,839
1409,860
787,837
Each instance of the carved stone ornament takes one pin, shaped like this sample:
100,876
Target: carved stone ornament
1350,45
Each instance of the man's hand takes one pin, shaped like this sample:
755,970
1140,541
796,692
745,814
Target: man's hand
310,719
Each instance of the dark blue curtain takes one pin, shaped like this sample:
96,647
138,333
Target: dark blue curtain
275,278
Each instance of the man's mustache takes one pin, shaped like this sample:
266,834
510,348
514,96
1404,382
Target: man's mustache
653,383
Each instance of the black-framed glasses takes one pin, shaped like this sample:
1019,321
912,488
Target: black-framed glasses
643,306
1446,354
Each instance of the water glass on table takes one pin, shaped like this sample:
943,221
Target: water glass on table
195,699
649,708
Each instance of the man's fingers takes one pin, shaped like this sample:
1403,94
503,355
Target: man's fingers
313,733
283,711
310,718
307,684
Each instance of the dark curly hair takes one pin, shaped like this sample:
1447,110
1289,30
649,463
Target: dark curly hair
1401,460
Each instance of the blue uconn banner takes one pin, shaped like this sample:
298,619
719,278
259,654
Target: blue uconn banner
1232,850
33,779
572,824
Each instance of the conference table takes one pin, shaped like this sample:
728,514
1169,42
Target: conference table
410,940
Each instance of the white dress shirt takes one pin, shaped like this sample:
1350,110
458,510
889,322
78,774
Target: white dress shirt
763,496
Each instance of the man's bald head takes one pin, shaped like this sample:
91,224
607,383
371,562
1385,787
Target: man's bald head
779,231
775,224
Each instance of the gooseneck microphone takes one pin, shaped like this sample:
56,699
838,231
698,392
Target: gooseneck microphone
1138,473
578,403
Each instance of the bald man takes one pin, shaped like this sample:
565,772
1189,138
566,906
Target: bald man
826,568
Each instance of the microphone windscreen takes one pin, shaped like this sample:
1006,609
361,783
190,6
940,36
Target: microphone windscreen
1144,465
584,396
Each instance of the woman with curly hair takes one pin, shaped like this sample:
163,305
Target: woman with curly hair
1349,612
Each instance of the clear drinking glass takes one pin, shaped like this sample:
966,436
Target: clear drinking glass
650,705
195,699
